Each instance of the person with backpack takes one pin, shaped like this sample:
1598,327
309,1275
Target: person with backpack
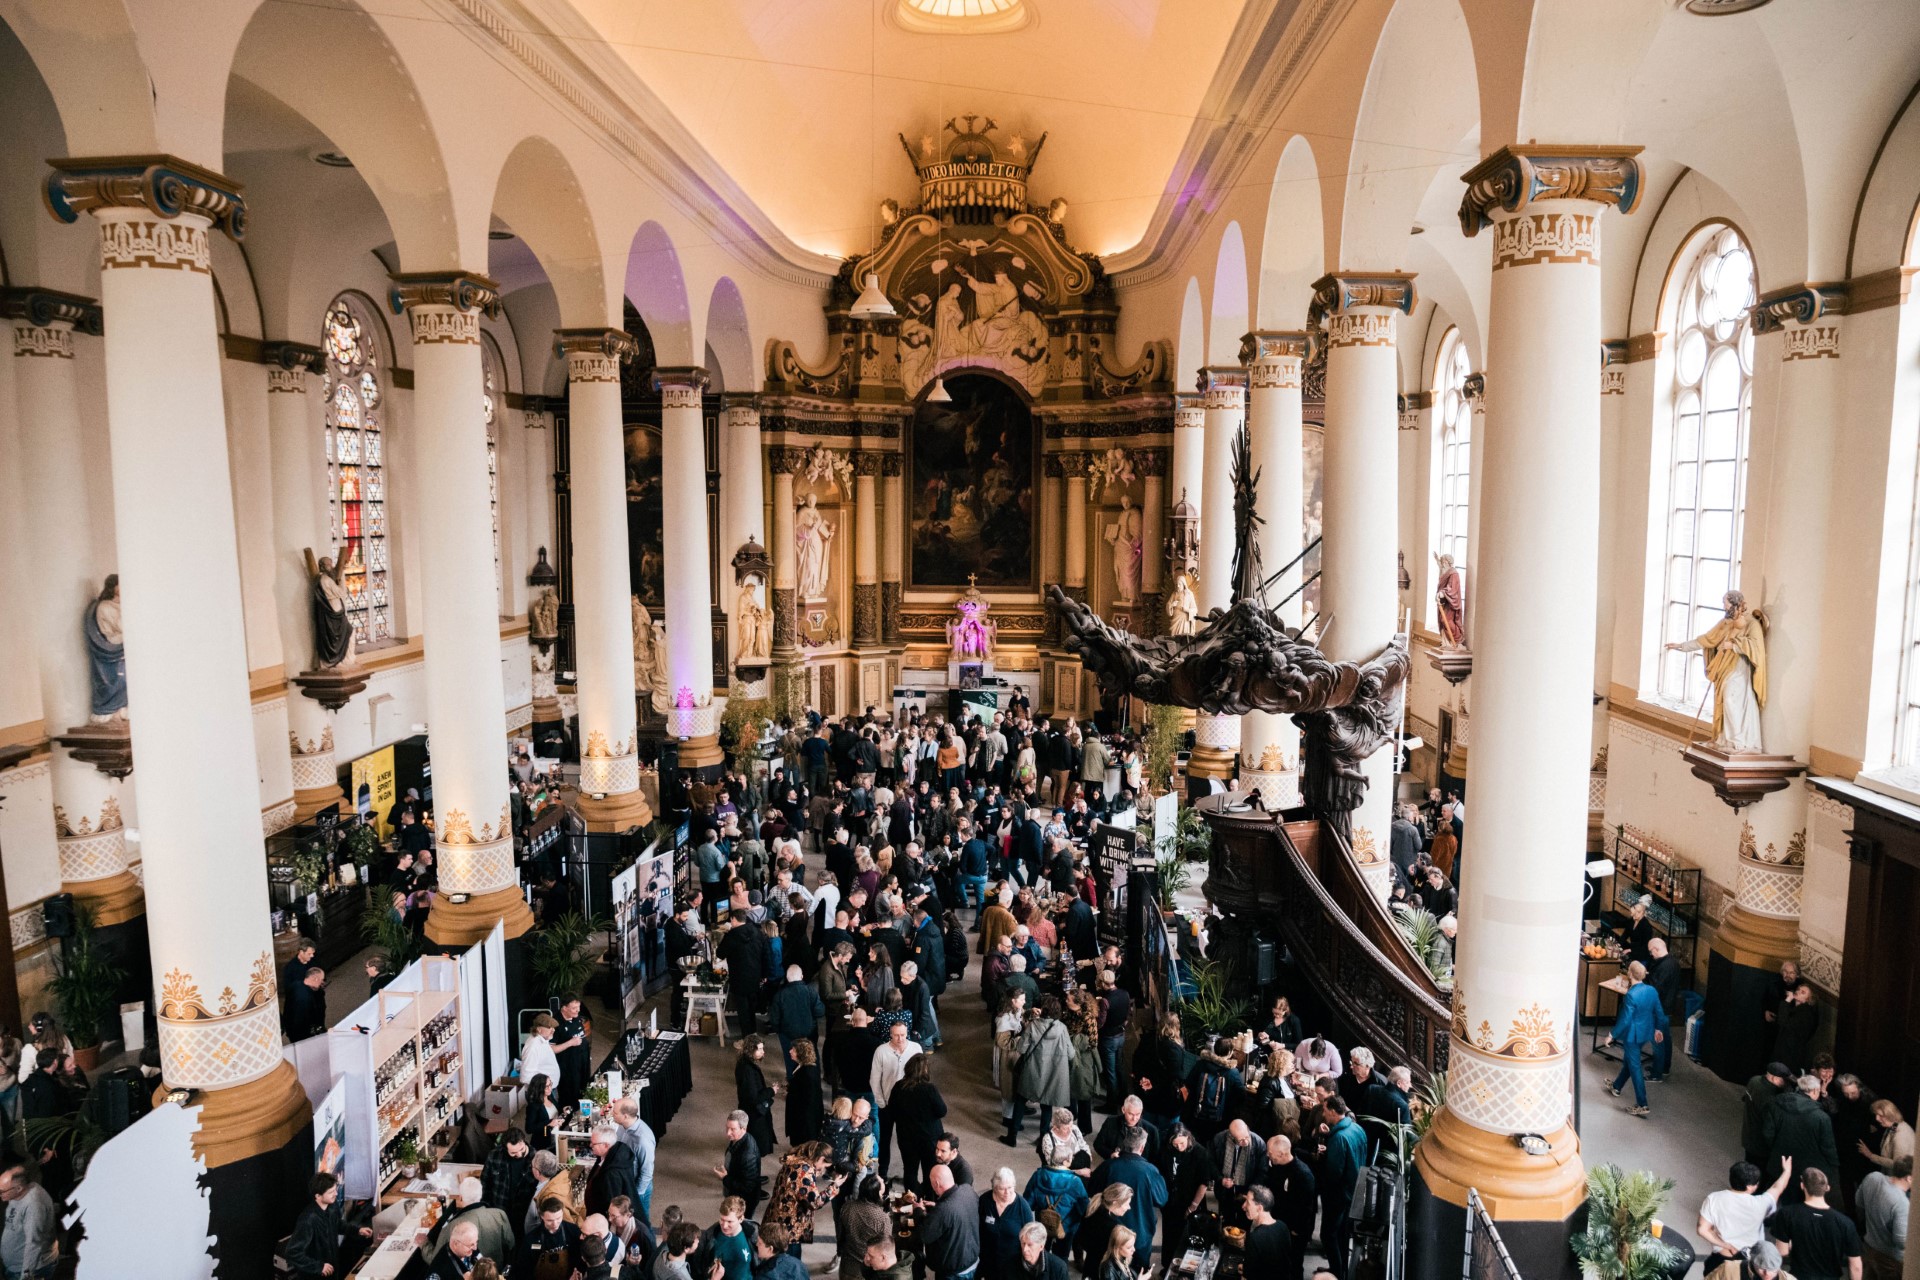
1212,1089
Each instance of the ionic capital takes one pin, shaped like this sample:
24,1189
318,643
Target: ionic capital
680,386
1222,386
1474,387
1514,177
1342,291
1187,410
294,357
461,291
163,185
612,344
1270,346
44,307
1799,304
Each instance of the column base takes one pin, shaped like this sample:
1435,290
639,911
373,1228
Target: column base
616,811
115,899
249,1119
460,924
1756,941
1514,1186
1436,1228
1735,1042
701,752
308,803
866,614
1211,762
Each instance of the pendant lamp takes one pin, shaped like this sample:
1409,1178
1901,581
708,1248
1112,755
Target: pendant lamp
938,395
871,304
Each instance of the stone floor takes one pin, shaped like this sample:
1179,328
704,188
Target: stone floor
1692,1135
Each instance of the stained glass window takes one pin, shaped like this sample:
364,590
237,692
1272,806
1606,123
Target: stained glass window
1454,421
1707,462
493,408
356,465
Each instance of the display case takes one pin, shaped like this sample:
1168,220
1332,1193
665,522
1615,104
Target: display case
1645,868
400,1055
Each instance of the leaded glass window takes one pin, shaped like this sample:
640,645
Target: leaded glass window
1712,396
356,466
1455,424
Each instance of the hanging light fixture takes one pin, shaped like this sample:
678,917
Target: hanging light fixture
871,304
938,394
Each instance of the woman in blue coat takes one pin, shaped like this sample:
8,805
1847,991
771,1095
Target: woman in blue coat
1642,1020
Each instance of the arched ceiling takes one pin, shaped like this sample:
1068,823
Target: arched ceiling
800,101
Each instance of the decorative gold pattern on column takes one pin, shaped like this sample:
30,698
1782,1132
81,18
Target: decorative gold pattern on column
1514,177
1812,342
594,355
43,341
1354,329
1545,237
1188,413
680,386
161,184
167,246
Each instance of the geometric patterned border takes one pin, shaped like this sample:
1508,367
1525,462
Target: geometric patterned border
1820,962
479,868
1217,731
28,927
1770,889
1507,1095
276,818
92,857
609,775
521,717
221,1052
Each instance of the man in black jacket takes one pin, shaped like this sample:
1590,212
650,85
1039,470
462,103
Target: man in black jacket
1296,1201
739,1169
1757,1103
313,1250
614,1172
1663,975
950,1236
1797,1127
306,1012
745,951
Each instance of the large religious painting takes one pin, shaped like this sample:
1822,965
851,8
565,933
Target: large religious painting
1313,445
973,301
971,480
645,560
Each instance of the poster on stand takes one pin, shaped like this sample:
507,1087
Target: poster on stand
1111,851
374,788
330,1130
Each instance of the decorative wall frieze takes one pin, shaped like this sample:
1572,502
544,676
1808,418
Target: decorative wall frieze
1811,342
1613,382
1338,292
1549,238
276,818
163,185
1799,304
1820,961
49,307
1514,177
287,382
162,246
27,927
1822,803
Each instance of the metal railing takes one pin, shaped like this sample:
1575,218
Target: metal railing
1484,1256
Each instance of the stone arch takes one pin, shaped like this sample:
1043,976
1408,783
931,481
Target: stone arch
730,338
1230,315
1191,354
539,196
1886,216
657,288
1293,244
91,64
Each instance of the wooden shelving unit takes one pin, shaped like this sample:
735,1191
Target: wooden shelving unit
400,1024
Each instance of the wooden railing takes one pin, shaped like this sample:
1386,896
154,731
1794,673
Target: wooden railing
1300,877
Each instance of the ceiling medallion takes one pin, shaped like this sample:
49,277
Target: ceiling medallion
962,17
1721,8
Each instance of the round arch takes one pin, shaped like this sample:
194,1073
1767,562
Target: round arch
1191,355
1293,243
1230,317
539,195
657,288
730,338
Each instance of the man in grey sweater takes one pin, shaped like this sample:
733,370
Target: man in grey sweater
30,1242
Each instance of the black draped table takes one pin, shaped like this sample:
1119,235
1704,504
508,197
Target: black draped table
666,1066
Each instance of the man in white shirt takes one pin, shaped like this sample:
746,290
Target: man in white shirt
1734,1220
889,1064
537,1056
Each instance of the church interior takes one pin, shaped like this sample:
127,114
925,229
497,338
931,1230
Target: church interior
1433,484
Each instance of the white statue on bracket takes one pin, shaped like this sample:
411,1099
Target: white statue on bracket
1128,551
813,537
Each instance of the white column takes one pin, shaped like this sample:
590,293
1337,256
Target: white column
1223,401
1270,744
609,798
689,599
1073,544
743,502
866,549
1151,464
1514,1000
1359,587
466,692
893,525
190,711
89,825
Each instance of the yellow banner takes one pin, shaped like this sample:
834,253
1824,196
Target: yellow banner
373,788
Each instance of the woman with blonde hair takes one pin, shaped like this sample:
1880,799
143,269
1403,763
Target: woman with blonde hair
1892,1137
1118,1264
1108,1212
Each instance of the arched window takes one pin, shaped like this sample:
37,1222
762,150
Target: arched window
1454,443
493,403
356,458
1906,728
1712,394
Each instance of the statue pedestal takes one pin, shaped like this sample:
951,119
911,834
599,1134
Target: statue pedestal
1741,777
107,747
1454,665
333,687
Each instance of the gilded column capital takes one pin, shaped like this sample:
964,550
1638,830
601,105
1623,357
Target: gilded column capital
1149,464
463,291
1222,386
1514,177
49,307
294,357
1800,304
1267,353
1474,386
615,344
1187,410
1341,291
866,463
165,186
892,464
680,386
741,402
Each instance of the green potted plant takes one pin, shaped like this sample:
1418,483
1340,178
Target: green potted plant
390,936
1164,732
1619,1243
1175,875
558,955
358,846
309,868
1421,929
1211,1011
86,982
407,1156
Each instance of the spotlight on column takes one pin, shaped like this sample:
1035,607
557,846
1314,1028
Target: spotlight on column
1600,868
1532,1143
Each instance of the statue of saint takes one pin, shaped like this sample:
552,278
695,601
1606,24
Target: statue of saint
813,536
1182,608
1128,552
1736,654
1450,599
327,599
645,657
544,614
755,623
106,655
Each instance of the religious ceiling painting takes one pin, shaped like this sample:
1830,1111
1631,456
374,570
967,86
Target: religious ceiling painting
971,475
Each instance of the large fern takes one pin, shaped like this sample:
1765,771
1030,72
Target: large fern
1211,1011
1421,929
1618,1243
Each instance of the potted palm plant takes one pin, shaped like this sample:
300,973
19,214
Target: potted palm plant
1619,1242
86,982
558,955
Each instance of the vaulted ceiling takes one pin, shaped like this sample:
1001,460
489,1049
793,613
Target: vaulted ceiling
801,101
